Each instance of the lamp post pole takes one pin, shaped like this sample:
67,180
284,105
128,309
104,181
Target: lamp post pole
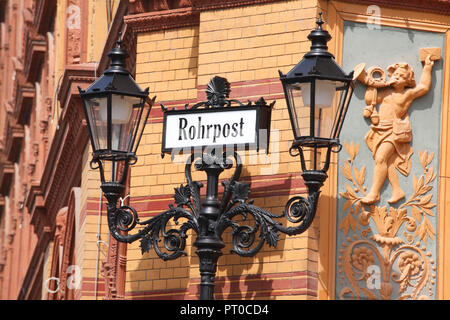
209,244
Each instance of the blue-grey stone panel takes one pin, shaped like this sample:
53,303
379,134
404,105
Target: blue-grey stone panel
389,251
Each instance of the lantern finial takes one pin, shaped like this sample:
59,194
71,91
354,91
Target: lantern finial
119,40
319,22
319,38
118,56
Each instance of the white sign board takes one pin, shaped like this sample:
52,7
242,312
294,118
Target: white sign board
184,129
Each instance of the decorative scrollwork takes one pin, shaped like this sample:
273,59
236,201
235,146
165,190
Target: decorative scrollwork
174,239
166,233
244,236
300,211
235,202
126,218
296,209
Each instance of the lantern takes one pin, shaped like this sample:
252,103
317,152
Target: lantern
317,93
116,111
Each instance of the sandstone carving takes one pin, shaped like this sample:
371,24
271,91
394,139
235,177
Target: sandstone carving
390,134
384,255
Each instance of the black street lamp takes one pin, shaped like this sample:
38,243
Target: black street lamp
116,110
317,75
318,94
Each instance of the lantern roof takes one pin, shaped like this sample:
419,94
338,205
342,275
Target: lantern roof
116,78
318,62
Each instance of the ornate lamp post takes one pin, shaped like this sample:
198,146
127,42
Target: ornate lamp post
317,74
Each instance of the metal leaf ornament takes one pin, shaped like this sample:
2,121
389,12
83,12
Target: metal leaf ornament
241,190
217,91
182,195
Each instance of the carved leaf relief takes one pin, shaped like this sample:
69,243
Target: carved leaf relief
385,246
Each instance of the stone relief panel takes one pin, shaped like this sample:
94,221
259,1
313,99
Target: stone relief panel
387,222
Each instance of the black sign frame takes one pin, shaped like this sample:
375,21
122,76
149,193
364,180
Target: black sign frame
263,119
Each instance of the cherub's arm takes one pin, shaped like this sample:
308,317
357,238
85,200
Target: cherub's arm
425,80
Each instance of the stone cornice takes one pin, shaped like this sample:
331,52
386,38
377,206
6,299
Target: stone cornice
204,5
183,16
75,75
161,20
435,6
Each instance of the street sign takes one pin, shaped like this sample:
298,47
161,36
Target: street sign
227,127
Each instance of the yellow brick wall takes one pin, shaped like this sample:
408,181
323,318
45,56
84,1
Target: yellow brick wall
246,45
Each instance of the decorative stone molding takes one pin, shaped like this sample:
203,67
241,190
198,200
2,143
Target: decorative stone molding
162,20
153,15
48,195
164,14
46,117
66,239
35,204
6,176
140,6
401,257
437,6
109,271
222,4
390,133
25,94
74,75
14,139
43,12
58,240
35,49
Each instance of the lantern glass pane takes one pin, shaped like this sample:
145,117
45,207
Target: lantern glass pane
140,116
325,90
344,102
125,112
300,113
327,112
95,108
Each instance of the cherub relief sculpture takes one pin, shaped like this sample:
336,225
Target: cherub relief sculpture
390,134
